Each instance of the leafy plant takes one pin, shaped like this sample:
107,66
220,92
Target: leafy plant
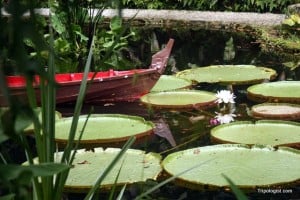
116,38
292,24
72,29
45,179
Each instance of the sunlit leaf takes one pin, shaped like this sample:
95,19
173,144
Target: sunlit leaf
104,129
289,22
116,24
88,166
248,167
168,82
265,132
228,74
280,91
188,99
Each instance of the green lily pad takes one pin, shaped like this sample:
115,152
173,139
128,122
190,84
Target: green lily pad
284,111
104,129
265,132
30,128
228,74
183,99
135,166
281,91
248,167
167,82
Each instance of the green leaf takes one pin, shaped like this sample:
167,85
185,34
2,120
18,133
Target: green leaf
289,22
2,137
238,193
108,168
116,24
57,24
296,18
236,161
78,31
104,128
168,82
279,91
108,44
229,51
292,65
179,99
10,171
22,121
97,163
8,197
228,74
265,132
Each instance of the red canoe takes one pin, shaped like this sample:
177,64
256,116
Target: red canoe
107,86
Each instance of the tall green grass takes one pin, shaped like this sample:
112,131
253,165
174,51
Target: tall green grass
40,178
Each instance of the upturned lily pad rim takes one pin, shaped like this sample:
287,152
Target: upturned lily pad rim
113,142
217,140
199,105
272,74
282,116
247,188
260,98
182,83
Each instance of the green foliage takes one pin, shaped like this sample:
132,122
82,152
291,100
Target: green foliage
145,4
292,24
72,36
292,65
238,193
115,39
44,180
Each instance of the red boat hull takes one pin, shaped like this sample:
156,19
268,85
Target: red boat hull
108,86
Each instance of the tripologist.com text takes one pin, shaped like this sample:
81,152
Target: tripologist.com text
275,191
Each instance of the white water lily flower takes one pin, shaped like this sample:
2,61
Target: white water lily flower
225,96
225,119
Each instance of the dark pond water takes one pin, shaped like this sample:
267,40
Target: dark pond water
191,128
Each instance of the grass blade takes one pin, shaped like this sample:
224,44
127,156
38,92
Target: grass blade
96,186
119,197
169,180
237,192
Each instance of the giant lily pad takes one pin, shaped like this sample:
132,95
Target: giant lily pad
228,74
167,82
266,132
281,91
104,129
283,111
248,167
182,99
135,166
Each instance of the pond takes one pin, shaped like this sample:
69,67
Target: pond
184,129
